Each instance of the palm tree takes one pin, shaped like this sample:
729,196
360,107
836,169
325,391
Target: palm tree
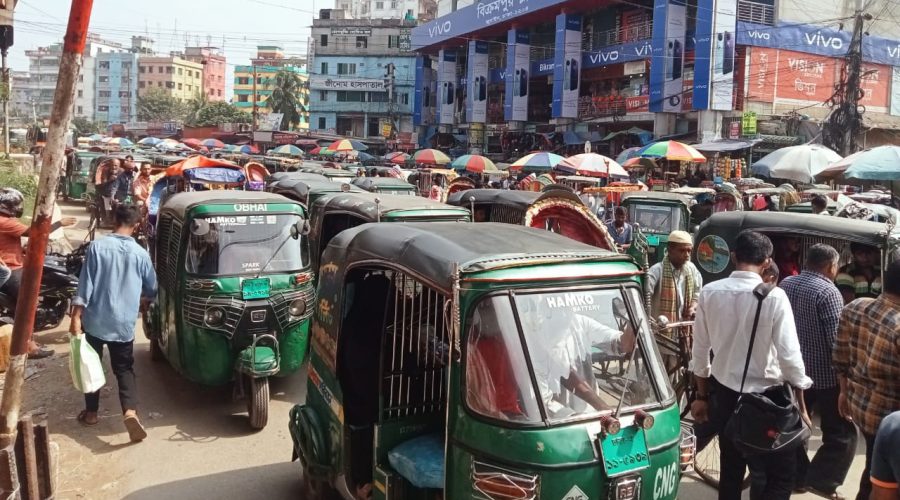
194,106
286,89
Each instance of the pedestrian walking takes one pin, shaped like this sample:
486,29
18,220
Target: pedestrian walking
817,304
867,361
675,280
885,474
116,277
726,310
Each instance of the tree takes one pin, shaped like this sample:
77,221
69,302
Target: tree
286,89
220,112
84,127
193,108
157,105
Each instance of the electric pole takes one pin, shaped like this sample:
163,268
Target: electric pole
844,122
389,83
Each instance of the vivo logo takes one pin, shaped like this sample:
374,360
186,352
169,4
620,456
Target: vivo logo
759,35
823,41
894,51
643,50
602,57
440,29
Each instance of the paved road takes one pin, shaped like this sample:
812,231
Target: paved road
199,445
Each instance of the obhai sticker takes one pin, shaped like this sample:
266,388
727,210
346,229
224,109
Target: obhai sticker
713,254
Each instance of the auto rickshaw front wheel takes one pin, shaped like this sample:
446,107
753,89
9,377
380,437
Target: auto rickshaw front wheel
258,401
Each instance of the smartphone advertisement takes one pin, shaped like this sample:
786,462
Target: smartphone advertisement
667,63
423,107
518,66
476,79
567,66
722,58
446,86
702,52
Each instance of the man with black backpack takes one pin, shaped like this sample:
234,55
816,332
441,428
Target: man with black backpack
749,327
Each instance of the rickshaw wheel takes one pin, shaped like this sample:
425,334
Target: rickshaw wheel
258,402
706,463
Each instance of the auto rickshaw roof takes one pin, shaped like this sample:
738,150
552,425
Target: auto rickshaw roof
520,199
364,204
656,196
302,187
729,224
199,161
305,176
369,183
182,202
431,249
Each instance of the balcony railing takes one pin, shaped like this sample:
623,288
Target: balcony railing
640,31
756,12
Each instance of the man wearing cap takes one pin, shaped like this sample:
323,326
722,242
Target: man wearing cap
675,280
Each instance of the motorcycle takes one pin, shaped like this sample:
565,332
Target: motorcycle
58,287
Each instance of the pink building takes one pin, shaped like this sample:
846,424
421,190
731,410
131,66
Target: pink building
213,63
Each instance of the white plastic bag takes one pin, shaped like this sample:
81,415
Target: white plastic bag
85,366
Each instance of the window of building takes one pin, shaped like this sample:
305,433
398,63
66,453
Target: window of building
393,41
350,96
170,85
362,42
323,95
324,69
322,123
124,93
179,86
80,110
219,92
393,4
169,70
379,5
149,69
103,65
80,93
100,108
243,80
243,98
162,70
142,69
159,84
378,97
126,66
346,68
323,41
104,79
403,98
190,88
103,93
141,84
180,72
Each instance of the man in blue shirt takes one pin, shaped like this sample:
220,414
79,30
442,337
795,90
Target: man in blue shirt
116,277
619,229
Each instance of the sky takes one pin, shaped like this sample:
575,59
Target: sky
237,25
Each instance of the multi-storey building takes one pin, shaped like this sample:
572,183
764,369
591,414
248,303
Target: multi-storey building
362,75
117,87
179,77
411,10
20,100
254,83
213,62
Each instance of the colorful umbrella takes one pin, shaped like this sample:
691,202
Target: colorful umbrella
431,157
95,137
288,150
593,165
316,150
881,163
474,163
327,152
671,150
626,155
248,149
347,145
796,163
537,162
149,141
228,148
212,143
119,141
640,162
364,157
194,143
398,157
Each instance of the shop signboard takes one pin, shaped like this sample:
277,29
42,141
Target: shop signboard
567,71
637,104
638,50
518,54
667,66
476,80
723,40
762,74
805,77
748,123
283,137
447,86
734,130
875,82
318,82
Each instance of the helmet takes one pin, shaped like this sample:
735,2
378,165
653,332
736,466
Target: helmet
11,202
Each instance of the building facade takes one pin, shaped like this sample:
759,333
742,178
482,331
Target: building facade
254,83
20,98
411,10
362,76
116,87
213,62
177,76
497,70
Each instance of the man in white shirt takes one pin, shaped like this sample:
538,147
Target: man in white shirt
725,314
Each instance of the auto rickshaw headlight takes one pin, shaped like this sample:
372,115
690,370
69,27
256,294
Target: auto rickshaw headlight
214,316
297,307
610,425
643,419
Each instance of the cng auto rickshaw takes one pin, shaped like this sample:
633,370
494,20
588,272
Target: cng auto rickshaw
557,210
307,176
657,213
80,182
385,185
308,191
334,174
487,361
235,291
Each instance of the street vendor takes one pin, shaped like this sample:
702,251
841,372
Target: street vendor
675,280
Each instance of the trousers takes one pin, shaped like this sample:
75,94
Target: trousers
121,357
828,468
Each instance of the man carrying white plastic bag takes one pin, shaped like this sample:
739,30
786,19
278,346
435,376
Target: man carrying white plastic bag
116,277
85,366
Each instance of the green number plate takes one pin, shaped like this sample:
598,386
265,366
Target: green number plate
255,288
625,452
652,240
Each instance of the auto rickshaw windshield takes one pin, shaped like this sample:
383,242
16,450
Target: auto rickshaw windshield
578,344
661,219
243,244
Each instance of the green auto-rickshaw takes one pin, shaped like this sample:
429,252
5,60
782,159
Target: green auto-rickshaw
235,290
484,361
656,214
79,183
385,185
308,191
305,176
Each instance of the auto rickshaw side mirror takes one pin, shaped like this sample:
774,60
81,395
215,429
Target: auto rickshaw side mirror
619,308
199,227
300,228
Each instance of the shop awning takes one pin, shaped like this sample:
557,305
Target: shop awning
644,135
572,138
725,145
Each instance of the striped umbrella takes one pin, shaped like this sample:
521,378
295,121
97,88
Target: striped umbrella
538,162
149,141
627,155
247,149
316,150
119,141
212,143
592,165
347,145
474,163
671,150
398,157
431,157
288,150
327,152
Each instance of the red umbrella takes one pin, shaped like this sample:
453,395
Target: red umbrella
316,150
398,157
194,143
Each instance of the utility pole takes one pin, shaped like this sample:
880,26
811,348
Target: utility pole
390,81
54,159
255,111
844,122
6,41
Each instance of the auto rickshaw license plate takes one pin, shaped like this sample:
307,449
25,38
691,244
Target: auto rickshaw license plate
255,288
624,452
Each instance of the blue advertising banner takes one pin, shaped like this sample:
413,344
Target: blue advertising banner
424,98
418,96
703,53
518,64
658,59
476,82
722,59
567,72
614,54
447,86
667,66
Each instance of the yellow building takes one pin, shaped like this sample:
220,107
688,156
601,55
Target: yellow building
268,62
179,77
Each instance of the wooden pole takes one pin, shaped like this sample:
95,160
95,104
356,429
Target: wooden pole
54,160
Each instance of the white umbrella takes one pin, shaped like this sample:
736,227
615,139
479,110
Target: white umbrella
796,163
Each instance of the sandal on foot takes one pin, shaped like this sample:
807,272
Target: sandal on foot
832,496
136,431
84,420
40,353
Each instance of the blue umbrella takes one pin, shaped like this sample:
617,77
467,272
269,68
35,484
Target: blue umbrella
287,149
149,141
364,156
876,164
